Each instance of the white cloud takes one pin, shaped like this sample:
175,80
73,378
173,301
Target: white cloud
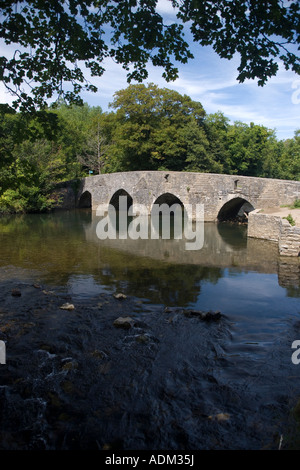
165,7
218,90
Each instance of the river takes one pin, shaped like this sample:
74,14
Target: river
173,379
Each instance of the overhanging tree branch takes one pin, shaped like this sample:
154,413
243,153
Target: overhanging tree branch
57,37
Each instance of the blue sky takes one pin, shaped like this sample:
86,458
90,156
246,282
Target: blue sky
212,81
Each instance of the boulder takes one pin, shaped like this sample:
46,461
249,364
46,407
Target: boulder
220,417
16,293
120,296
124,322
67,306
206,316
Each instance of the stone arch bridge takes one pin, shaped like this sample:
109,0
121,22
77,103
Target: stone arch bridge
223,196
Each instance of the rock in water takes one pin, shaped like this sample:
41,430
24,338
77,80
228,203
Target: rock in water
142,339
67,306
206,316
123,322
220,417
120,296
16,293
211,316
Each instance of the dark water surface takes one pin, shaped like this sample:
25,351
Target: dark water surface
172,381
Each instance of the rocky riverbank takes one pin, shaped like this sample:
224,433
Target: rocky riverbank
112,371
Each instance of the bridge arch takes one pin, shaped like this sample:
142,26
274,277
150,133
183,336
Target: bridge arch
85,200
235,208
169,199
167,223
114,200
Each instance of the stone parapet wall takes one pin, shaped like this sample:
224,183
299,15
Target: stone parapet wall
289,243
264,226
271,227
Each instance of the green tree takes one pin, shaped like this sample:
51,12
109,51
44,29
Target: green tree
80,135
8,136
150,128
33,160
251,149
96,146
259,32
198,155
289,162
53,39
216,129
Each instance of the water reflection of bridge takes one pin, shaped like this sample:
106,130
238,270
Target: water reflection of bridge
225,246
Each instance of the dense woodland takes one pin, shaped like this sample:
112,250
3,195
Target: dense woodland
147,128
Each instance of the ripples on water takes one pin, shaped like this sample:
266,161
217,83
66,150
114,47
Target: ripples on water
75,381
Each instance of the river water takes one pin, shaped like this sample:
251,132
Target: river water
172,380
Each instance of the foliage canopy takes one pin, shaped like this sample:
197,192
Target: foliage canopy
149,128
51,41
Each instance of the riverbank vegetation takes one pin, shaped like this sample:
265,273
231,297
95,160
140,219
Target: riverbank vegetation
146,128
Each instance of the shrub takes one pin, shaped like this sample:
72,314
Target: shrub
296,204
290,219
12,201
25,199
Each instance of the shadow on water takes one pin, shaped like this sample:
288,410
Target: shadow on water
170,380
233,234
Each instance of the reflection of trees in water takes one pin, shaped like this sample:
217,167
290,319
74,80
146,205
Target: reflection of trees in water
63,245
145,278
46,225
56,244
167,284
36,240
